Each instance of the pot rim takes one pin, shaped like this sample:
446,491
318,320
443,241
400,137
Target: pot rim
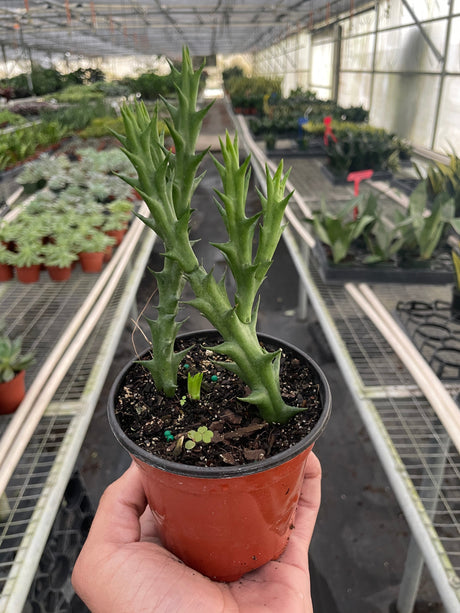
219,472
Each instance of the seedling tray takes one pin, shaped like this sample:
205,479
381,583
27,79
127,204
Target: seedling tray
438,271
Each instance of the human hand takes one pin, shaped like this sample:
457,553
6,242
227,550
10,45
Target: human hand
123,568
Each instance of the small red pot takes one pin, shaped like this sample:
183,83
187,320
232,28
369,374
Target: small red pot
225,521
12,393
118,235
6,272
108,252
57,273
91,262
28,274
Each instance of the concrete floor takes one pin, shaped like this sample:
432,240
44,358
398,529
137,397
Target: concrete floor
361,538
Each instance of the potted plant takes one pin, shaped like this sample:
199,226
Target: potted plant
410,246
27,259
92,244
117,219
13,364
221,473
58,257
6,260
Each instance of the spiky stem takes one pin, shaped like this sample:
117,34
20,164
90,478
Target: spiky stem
167,183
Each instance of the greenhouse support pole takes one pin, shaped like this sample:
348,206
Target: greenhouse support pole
336,63
374,55
442,75
428,40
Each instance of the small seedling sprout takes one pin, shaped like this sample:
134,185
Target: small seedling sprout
201,435
194,385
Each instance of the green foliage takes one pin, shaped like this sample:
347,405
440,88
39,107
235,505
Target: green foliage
194,385
426,228
79,115
249,92
201,435
61,253
10,119
29,252
78,94
12,359
339,230
151,86
102,126
45,80
414,233
361,149
442,178
6,255
167,181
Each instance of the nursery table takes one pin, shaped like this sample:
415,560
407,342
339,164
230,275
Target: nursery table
74,329
411,416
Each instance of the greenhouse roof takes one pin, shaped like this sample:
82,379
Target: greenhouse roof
160,27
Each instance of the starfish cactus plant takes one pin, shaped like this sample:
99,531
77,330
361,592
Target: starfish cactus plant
167,180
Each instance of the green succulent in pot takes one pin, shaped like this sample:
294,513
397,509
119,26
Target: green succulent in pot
118,215
239,514
167,181
28,253
92,240
59,253
13,364
12,358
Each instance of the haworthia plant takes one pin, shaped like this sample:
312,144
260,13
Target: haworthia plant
167,181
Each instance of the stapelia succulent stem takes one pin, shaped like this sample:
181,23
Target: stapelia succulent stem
167,182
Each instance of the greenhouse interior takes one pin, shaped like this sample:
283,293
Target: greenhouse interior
283,179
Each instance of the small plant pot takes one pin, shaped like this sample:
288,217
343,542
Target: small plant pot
108,252
225,521
6,272
28,274
12,393
118,235
57,273
455,304
91,262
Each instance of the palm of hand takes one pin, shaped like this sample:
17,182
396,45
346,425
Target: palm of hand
123,568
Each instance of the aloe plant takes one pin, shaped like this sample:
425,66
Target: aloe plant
167,181
426,227
339,230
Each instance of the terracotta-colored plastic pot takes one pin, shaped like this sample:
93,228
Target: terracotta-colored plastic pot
28,274
118,235
108,252
6,272
12,393
225,521
57,273
91,262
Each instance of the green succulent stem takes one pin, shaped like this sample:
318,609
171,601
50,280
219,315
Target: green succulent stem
167,180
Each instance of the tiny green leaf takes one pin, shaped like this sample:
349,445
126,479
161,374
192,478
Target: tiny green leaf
194,385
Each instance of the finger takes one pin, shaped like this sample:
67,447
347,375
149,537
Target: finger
149,529
297,550
117,517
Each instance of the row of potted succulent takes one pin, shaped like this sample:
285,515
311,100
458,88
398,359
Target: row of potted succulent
47,233
359,242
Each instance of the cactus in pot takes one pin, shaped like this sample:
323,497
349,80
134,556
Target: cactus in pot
166,182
